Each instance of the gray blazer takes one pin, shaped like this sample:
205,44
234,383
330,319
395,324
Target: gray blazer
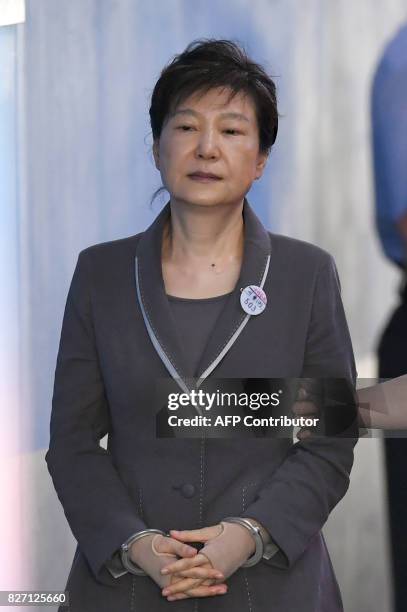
117,339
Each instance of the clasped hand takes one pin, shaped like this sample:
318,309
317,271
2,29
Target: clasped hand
198,574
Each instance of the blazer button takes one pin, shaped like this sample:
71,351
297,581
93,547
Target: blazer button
186,490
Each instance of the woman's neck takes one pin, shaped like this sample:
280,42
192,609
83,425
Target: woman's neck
202,250
203,235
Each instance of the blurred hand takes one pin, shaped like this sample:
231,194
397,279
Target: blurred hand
308,404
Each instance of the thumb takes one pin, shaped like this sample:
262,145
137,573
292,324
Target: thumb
169,545
196,535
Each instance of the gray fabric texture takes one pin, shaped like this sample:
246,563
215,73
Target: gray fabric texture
194,320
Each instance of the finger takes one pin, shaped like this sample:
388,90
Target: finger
303,434
180,586
201,591
302,394
197,535
178,596
184,564
170,545
210,582
309,388
201,572
190,592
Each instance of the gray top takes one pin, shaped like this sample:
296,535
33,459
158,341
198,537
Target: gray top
195,320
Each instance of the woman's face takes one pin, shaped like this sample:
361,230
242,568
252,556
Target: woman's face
209,136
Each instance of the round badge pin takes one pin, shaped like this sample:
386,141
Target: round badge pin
253,300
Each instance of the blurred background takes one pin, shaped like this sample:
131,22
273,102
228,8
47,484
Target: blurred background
76,168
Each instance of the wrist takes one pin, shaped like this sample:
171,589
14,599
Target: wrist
132,555
270,547
246,538
265,536
136,548
254,532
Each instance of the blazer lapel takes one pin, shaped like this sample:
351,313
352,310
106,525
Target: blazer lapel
232,319
156,310
153,300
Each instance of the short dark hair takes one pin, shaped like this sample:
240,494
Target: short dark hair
210,63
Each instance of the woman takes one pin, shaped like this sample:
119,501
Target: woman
166,303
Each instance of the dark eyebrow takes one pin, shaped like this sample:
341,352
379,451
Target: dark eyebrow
184,111
230,115
235,116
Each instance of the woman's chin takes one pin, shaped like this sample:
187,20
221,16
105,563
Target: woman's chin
207,200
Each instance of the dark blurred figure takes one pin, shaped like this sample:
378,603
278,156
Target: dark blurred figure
389,126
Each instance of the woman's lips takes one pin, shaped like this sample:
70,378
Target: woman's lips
204,178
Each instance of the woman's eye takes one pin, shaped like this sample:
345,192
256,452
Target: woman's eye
231,131
185,128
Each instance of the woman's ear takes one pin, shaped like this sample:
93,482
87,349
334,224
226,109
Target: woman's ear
156,154
261,164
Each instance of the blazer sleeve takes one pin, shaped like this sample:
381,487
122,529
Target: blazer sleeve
97,505
294,503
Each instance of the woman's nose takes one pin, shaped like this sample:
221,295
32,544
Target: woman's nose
208,146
